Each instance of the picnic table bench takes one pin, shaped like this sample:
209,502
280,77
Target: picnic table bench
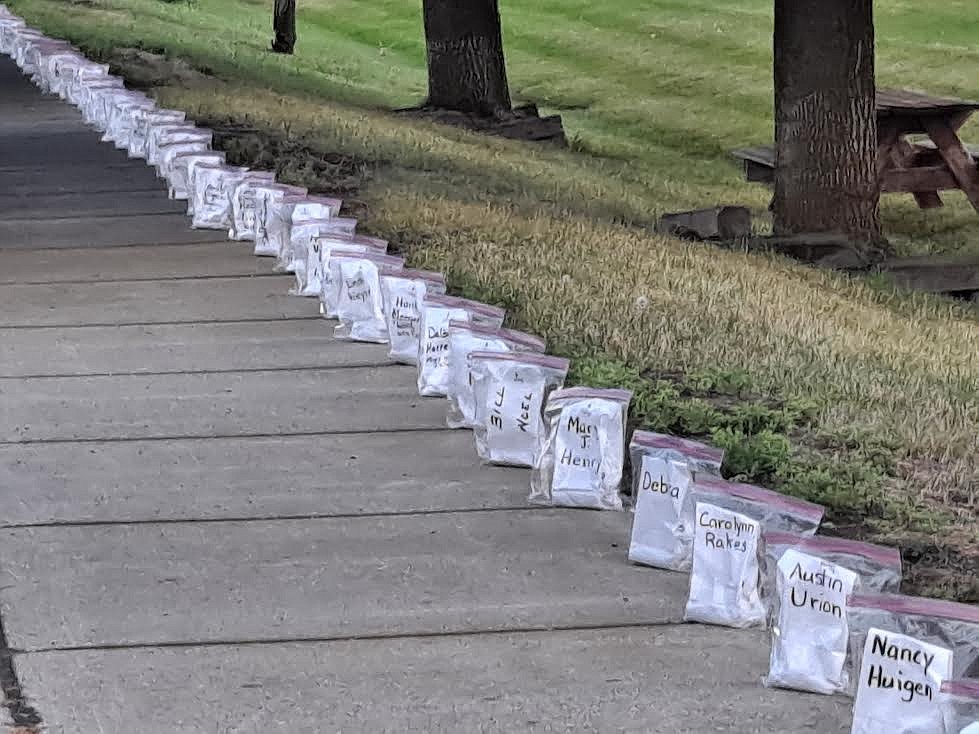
921,168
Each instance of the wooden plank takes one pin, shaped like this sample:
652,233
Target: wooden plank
759,163
918,180
761,154
896,101
935,274
888,154
911,177
755,172
957,158
926,148
717,223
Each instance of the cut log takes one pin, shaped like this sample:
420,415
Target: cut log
520,124
719,223
954,275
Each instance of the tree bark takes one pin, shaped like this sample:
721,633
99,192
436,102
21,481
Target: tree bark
826,120
284,25
466,69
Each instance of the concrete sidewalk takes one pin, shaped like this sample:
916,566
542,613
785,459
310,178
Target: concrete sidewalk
216,518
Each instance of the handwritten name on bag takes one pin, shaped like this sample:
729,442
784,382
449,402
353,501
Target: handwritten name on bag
897,690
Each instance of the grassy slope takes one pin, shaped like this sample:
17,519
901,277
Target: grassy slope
667,88
842,392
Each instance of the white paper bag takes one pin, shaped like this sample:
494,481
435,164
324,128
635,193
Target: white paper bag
581,461
308,240
724,574
143,120
403,293
244,203
809,630
899,684
465,338
775,511
360,307
294,211
270,199
433,344
182,165
326,276
663,468
212,205
510,390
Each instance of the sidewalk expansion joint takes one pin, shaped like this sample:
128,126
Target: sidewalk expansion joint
240,370
56,248
165,278
102,325
267,518
226,436
368,637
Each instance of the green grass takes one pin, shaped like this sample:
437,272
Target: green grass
661,90
847,392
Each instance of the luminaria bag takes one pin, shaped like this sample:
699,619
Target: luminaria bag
433,344
960,706
724,572
809,624
510,390
360,308
663,467
403,293
774,510
465,338
581,460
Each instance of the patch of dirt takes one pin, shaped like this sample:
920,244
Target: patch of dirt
294,160
933,568
943,567
144,69
522,123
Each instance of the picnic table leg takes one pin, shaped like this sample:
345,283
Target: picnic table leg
956,157
893,151
903,153
886,138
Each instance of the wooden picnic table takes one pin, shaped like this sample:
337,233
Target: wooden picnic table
921,168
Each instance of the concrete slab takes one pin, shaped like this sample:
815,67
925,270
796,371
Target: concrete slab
326,578
263,477
633,679
117,231
130,176
57,151
153,302
33,116
215,404
99,186
14,206
162,348
139,262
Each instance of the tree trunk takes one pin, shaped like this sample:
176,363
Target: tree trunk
826,120
466,71
284,25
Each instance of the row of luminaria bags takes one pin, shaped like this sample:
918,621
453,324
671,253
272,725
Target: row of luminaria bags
838,624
